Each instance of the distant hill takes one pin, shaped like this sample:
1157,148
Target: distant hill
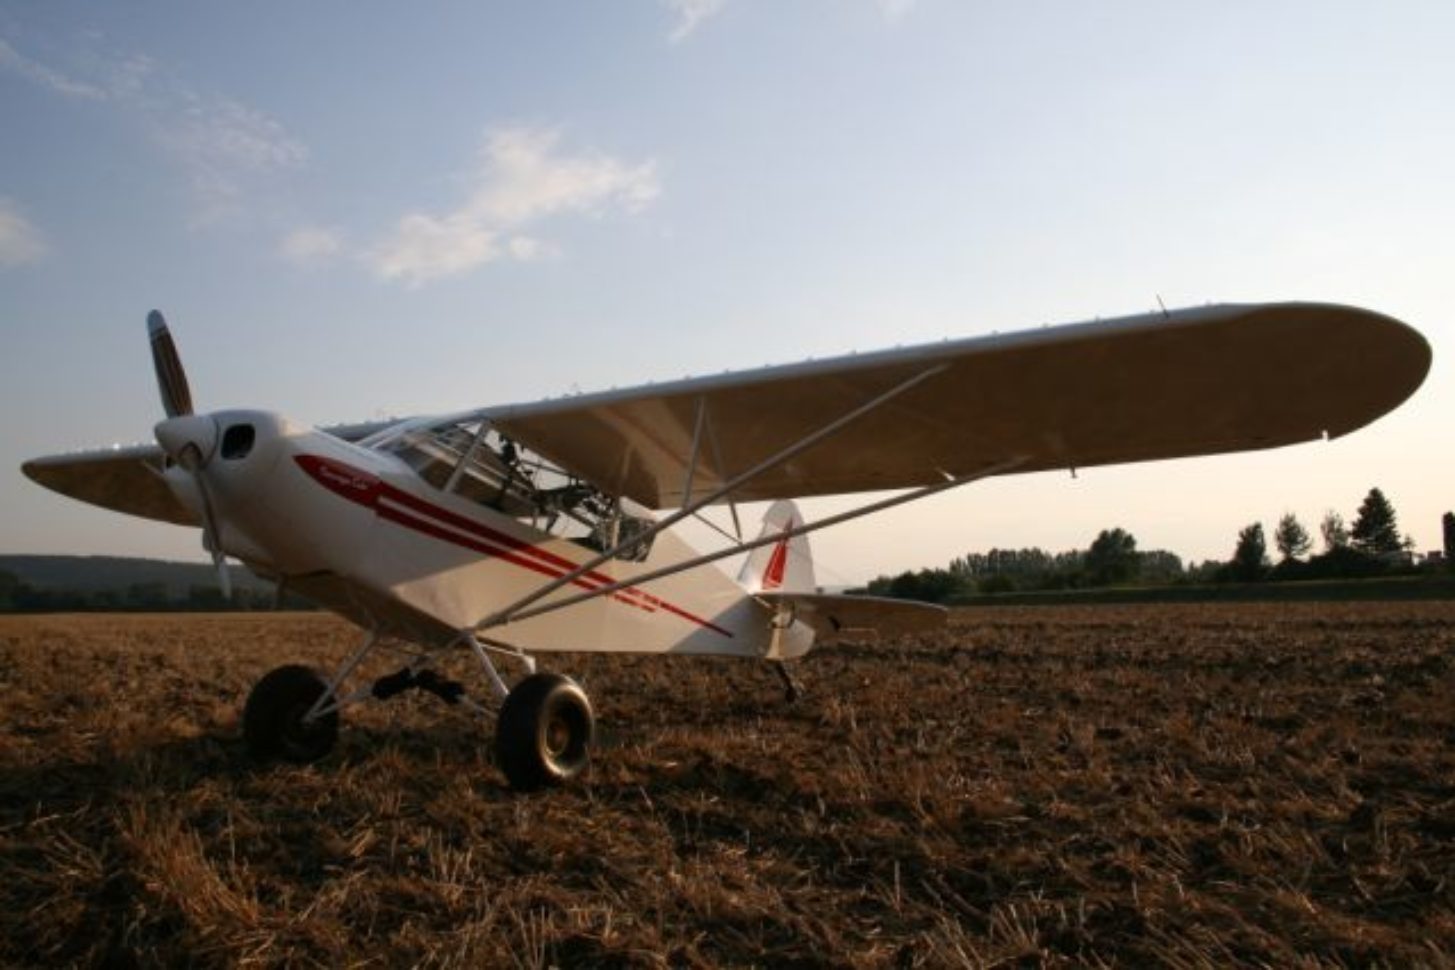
96,574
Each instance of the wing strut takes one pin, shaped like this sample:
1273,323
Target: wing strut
465,457
717,457
702,422
803,444
520,613
696,447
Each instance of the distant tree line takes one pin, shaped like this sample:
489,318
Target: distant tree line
19,597
1373,546
1112,559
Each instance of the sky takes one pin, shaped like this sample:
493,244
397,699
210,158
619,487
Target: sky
350,210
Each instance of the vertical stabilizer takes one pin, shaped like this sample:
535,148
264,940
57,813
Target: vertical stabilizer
785,566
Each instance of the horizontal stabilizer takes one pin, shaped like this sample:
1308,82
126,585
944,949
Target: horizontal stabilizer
830,613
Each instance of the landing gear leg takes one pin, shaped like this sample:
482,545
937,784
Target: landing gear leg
792,689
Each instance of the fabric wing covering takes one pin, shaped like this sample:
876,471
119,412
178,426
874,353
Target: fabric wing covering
1166,385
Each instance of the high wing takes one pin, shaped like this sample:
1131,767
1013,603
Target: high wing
1164,385
1168,385
829,613
124,479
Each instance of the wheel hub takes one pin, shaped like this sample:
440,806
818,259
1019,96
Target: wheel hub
558,735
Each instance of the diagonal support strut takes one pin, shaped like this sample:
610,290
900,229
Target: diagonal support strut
998,468
515,610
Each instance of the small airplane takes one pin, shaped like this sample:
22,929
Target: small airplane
525,529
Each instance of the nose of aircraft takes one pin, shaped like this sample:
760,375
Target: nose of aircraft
190,432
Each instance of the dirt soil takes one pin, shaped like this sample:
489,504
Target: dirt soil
1187,786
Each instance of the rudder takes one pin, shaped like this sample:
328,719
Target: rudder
785,566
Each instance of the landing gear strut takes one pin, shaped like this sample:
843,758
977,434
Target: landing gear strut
542,737
792,689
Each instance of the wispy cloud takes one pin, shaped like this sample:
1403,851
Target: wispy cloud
223,146
425,248
523,179
20,243
689,15
14,62
895,10
311,245
527,248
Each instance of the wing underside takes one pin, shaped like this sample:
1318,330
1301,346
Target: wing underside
121,479
1193,382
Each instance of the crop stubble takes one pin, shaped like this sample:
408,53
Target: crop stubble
1190,785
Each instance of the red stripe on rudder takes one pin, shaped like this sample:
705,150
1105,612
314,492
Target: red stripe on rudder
777,563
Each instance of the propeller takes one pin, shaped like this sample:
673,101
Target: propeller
171,379
188,439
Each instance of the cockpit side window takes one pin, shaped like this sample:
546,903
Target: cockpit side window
468,458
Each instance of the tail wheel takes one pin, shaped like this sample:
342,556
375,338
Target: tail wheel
544,734
274,719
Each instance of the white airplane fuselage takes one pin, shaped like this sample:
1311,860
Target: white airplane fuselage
360,531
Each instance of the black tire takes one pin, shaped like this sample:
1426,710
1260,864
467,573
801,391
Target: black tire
543,737
273,724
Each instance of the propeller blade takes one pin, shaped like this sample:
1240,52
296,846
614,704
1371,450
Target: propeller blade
171,379
177,403
191,459
211,538
224,576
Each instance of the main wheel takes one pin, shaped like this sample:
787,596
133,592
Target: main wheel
273,719
544,733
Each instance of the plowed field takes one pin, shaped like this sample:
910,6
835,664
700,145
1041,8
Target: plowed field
1181,785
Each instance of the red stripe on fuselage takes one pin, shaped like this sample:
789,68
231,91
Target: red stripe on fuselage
555,565
388,510
412,512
